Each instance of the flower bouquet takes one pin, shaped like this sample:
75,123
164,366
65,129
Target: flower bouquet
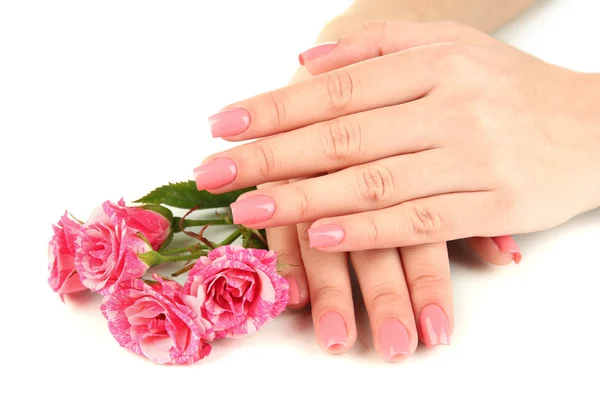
230,290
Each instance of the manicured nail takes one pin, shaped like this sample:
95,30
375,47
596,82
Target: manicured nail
214,174
435,327
294,291
394,342
507,244
317,51
252,209
229,122
332,330
325,235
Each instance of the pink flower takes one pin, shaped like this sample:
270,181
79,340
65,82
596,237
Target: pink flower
239,289
107,249
155,227
154,321
63,277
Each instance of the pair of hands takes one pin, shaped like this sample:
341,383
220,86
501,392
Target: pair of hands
412,134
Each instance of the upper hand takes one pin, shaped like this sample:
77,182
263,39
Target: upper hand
451,135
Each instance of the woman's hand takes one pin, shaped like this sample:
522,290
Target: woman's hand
451,134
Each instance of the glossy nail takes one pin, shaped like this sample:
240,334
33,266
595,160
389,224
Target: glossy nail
252,209
294,291
394,342
214,174
317,51
229,122
332,330
507,244
325,235
435,327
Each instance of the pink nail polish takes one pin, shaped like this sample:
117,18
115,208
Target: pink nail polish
325,235
214,174
252,209
294,291
317,51
435,327
229,122
507,244
332,331
394,342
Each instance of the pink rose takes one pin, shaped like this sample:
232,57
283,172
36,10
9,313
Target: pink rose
107,249
239,289
154,321
63,277
155,227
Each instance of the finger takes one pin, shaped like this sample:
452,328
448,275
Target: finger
384,290
371,186
323,147
427,272
428,220
499,250
378,38
330,296
284,241
372,84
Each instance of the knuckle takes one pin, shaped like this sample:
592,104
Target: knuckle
375,184
373,230
279,110
383,296
427,279
340,89
325,292
422,221
456,57
341,139
304,203
265,157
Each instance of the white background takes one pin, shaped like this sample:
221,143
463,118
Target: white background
103,99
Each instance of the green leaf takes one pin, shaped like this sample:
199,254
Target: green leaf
186,195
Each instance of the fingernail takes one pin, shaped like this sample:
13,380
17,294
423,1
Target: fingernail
294,292
252,209
435,327
394,342
317,51
332,330
229,122
507,244
214,174
325,235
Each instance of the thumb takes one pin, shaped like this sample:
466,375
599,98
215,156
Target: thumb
378,38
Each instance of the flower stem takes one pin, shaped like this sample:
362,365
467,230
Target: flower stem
182,270
188,257
198,222
231,238
190,249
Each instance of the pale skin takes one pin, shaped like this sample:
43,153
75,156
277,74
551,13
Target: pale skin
406,135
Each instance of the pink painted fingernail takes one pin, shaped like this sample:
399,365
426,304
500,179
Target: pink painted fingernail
252,209
214,174
317,51
294,291
229,122
394,342
435,327
507,244
332,329
325,235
